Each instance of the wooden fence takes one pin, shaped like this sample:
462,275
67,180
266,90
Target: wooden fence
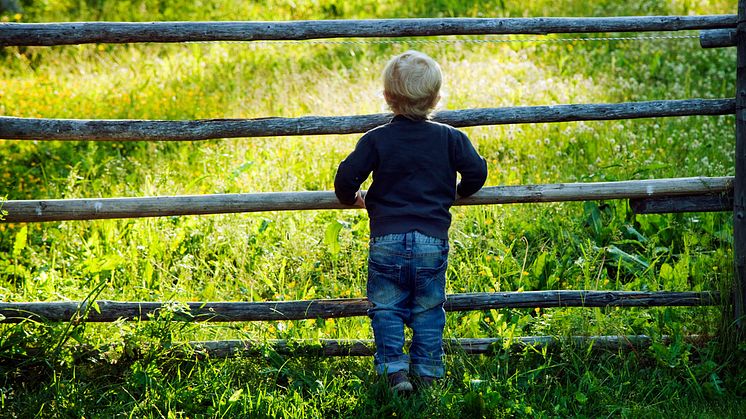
48,34
646,196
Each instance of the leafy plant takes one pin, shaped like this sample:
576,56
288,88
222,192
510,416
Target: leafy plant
143,369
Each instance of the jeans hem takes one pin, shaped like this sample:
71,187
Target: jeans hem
392,367
428,370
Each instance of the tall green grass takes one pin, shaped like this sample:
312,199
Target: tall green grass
137,369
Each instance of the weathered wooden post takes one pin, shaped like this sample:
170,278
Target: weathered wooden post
739,191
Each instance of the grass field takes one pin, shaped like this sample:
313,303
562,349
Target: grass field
137,369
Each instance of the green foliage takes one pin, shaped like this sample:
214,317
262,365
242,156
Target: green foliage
140,369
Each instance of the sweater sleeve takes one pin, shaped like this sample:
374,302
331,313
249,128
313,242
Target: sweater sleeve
471,166
353,171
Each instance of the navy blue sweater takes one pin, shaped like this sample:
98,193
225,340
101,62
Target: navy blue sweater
414,165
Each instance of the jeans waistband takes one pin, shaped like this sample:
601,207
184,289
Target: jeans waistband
410,237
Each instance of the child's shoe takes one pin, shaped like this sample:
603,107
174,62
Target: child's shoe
424,382
399,382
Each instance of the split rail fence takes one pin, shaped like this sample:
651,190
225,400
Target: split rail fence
646,196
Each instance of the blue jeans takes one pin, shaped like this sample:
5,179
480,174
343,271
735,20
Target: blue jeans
406,285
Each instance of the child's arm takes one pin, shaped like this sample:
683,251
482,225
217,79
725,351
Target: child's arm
353,171
471,166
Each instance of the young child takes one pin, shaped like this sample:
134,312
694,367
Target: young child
414,163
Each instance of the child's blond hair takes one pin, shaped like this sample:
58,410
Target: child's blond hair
411,84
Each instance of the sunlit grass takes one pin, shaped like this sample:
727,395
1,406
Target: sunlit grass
236,80
219,257
284,256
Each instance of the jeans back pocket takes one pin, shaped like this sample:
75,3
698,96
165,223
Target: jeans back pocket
385,283
430,284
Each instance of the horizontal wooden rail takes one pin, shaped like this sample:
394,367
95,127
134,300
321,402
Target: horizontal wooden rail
678,204
68,33
366,347
167,130
473,346
109,311
717,38
107,208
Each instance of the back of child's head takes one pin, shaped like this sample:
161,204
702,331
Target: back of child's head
411,84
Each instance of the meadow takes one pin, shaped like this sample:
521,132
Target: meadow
138,369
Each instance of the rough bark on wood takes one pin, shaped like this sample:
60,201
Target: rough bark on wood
739,190
68,33
365,347
717,38
165,130
108,311
107,208
678,204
